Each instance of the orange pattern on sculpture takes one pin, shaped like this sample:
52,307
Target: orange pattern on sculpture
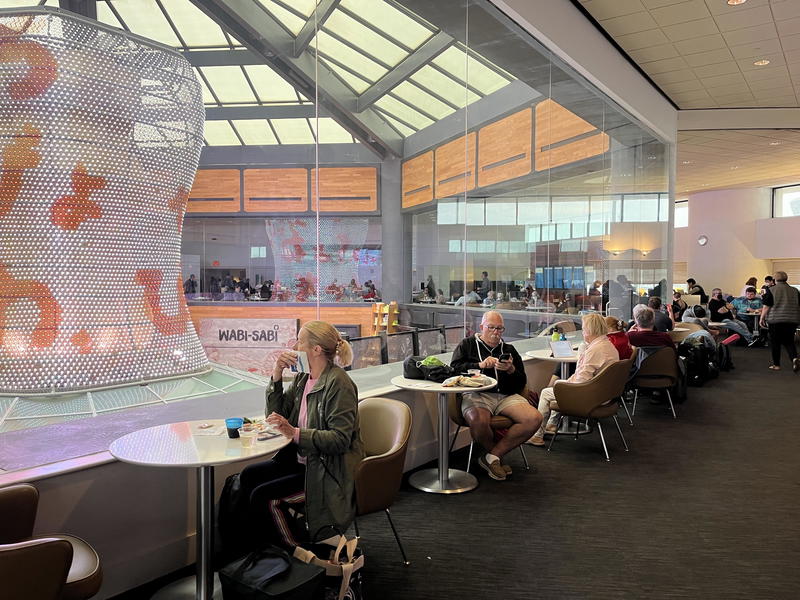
166,324
18,156
13,290
83,341
69,212
42,66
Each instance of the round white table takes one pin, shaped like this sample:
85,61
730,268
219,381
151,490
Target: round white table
187,444
567,425
442,479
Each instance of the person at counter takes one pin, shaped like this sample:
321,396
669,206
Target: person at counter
486,285
599,353
430,287
488,352
319,413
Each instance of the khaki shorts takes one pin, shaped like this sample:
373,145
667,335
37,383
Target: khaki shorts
493,402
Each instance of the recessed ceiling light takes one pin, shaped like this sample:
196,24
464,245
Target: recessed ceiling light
736,2
761,63
774,143
686,162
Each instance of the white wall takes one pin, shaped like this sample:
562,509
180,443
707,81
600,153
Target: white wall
778,238
728,218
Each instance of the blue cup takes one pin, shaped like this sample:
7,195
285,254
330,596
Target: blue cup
232,425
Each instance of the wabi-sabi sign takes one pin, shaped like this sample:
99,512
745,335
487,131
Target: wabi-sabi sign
248,344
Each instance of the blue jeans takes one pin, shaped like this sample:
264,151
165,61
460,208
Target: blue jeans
738,327
708,339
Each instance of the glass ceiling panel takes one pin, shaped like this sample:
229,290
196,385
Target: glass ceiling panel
220,133
402,129
356,83
255,132
146,19
422,100
305,7
330,132
390,21
446,87
208,97
346,55
293,131
289,20
480,76
403,112
368,40
229,84
196,29
270,86
104,15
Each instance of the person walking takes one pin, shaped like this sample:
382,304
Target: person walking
781,314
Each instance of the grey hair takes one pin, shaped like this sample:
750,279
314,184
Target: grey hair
644,316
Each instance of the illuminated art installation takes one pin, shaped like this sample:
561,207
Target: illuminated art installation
100,136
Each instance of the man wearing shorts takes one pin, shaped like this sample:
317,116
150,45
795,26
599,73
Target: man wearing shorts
484,351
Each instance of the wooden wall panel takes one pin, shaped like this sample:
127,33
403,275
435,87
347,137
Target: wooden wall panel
276,190
504,148
555,127
215,191
345,189
344,315
418,180
455,173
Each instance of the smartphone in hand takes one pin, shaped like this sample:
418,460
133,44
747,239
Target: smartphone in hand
505,357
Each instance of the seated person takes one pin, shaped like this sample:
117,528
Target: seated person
724,312
697,314
643,333
319,413
616,333
599,353
696,290
664,320
471,298
679,306
748,307
440,297
489,300
483,351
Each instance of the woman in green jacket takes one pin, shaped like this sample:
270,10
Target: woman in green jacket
319,412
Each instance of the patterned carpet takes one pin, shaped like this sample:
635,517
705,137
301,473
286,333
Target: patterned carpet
701,507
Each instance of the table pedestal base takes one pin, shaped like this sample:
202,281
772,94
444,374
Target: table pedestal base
456,482
184,589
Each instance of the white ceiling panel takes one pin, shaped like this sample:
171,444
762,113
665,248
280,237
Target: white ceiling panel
691,29
742,19
680,13
652,54
608,9
701,44
641,21
662,66
708,58
785,10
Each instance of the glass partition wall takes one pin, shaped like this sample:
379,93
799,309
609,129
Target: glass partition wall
455,154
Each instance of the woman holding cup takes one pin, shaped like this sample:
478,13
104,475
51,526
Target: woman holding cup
319,412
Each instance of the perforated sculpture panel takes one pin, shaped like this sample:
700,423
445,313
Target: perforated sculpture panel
100,136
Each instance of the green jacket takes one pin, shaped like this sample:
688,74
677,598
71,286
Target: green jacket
331,444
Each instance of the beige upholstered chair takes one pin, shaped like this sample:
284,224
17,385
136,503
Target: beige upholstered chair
496,422
659,371
57,567
593,400
385,429
689,328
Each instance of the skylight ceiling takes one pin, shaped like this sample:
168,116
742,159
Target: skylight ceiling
398,70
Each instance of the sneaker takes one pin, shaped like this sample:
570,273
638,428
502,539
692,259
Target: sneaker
507,469
774,368
755,343
495,470
550,428
796,365
536,441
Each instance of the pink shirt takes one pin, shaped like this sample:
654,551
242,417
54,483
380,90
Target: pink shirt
302,418
598,354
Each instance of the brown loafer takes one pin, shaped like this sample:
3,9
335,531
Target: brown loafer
535,441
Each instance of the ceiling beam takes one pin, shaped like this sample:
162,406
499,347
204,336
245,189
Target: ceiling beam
264,36
221,58
407,67
739,118
289,111
309,30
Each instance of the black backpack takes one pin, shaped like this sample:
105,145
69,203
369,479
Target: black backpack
700,362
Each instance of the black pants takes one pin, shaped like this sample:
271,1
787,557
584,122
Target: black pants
782,334
268,485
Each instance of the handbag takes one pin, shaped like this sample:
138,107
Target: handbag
269,574
413,368
341,563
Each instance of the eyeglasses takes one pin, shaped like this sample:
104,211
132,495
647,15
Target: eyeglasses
498,328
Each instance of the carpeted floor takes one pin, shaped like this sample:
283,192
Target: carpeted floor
701,507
